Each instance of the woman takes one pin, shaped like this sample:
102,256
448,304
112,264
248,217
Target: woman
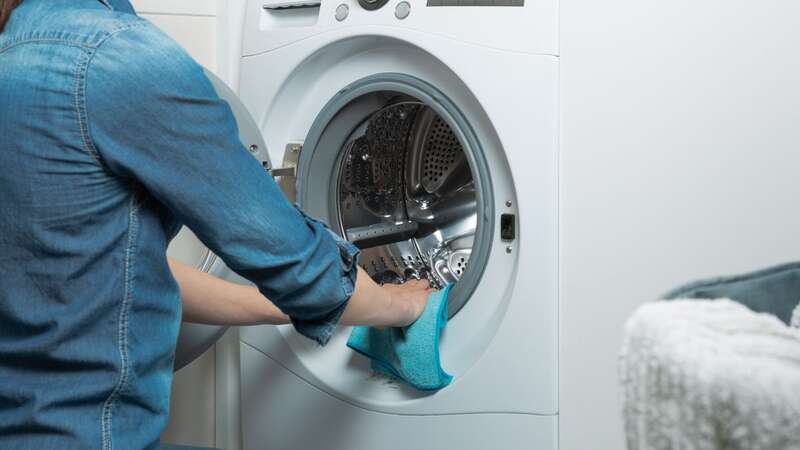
111,137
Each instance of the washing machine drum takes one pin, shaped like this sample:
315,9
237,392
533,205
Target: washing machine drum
406,196
399,172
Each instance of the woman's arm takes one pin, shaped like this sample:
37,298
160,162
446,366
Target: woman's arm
181,144
211,300
214,301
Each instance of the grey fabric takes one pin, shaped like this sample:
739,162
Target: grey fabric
775,290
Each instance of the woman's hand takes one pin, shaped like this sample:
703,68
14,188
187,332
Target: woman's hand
391,305
410,298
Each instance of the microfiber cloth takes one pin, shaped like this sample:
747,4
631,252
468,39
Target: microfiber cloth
410,354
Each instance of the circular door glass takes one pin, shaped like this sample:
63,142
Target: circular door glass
407,197
405,179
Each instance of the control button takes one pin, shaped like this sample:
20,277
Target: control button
402,10
372,5
342,11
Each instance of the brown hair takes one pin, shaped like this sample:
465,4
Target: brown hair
6,6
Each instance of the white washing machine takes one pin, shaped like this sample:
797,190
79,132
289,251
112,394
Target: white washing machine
677,121
426,132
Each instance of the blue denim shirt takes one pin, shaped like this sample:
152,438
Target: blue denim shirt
110,138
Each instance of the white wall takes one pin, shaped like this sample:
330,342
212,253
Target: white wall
193,23
680,159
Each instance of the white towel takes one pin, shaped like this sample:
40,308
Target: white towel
710,375
796,317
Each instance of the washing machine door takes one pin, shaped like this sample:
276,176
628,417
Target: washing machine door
419,182
195,339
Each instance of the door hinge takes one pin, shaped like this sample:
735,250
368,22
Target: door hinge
286,176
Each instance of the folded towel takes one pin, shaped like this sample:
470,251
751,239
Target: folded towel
410,354
709,375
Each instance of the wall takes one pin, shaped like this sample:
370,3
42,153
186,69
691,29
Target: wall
680,153
193,23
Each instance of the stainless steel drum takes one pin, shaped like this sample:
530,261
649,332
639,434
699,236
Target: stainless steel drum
406,196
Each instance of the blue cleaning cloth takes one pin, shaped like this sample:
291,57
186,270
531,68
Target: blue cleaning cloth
410,354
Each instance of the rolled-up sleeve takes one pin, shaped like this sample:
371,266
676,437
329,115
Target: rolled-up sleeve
154,117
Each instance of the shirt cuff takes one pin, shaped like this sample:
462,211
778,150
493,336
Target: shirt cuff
322,329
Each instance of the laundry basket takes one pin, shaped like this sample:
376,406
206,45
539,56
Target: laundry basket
702,371
775,290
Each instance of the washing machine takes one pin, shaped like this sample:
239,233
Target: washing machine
426,132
